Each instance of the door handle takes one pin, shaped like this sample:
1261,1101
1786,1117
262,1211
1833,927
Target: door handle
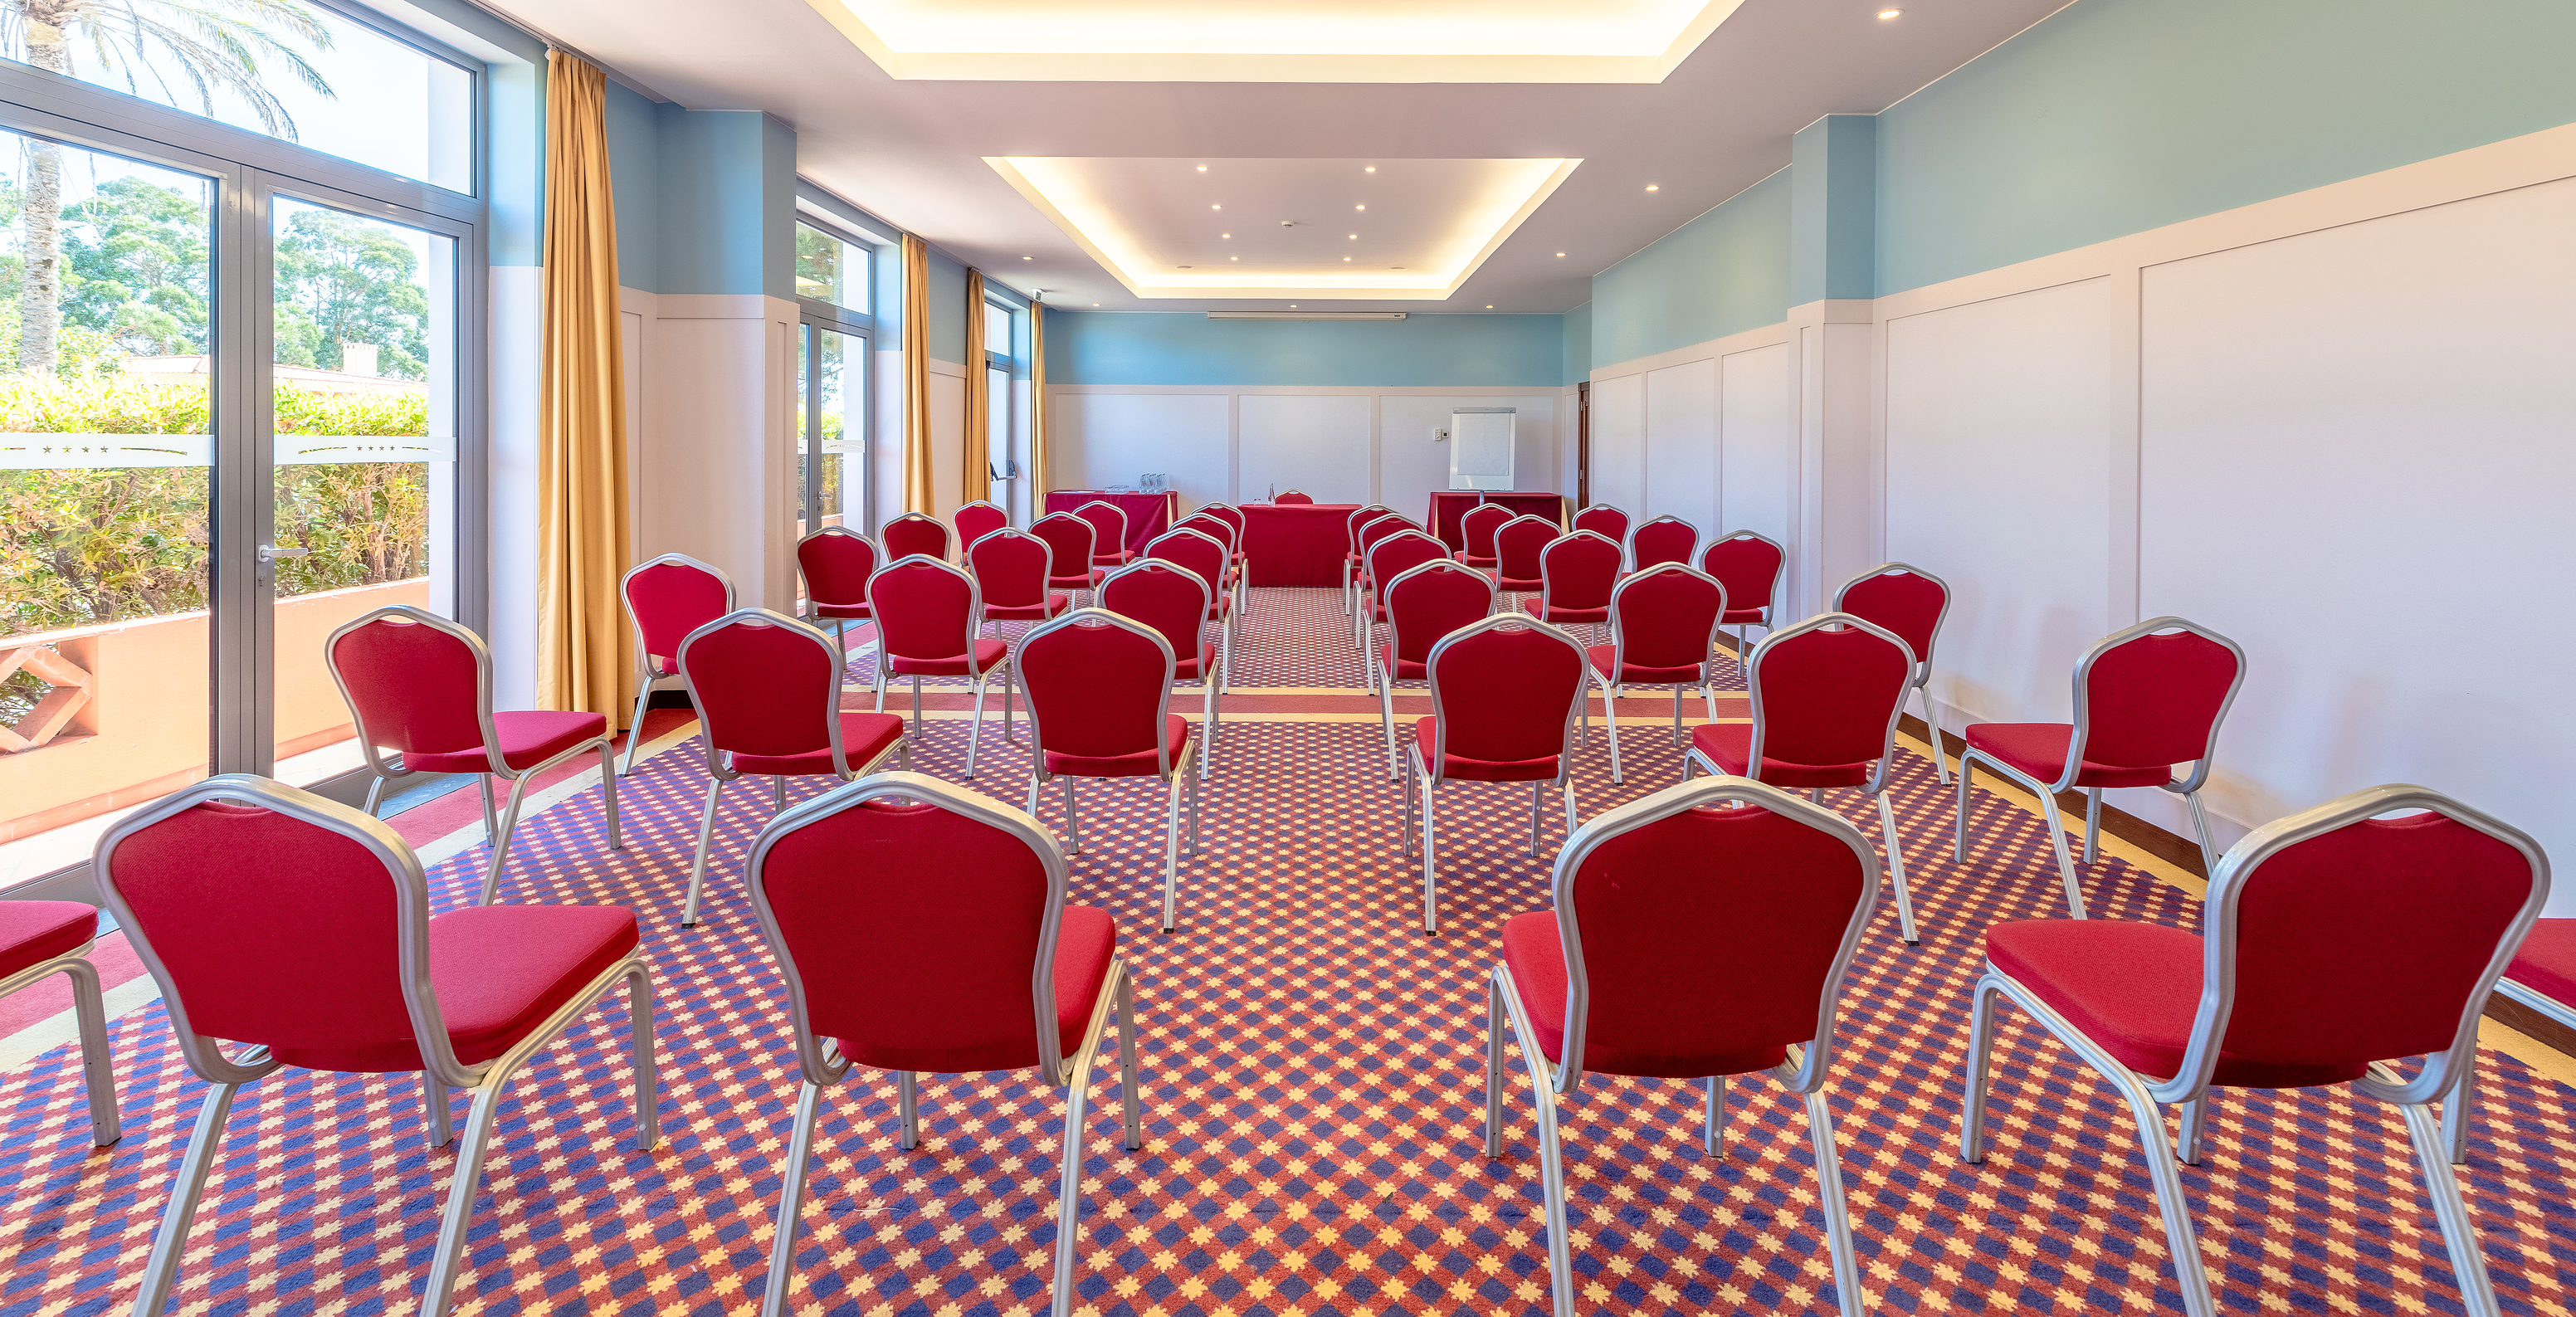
267,555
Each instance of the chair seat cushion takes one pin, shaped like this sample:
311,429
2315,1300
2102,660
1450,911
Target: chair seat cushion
1738,616
1079,580
1536,955
1730,747
33,932
1055,604
2133,988
1085,942
864,736
527,740
1176,731
988,656
1531,607
1604,655
2546,964
2039,749
1191,669
1408,670
1480,563
821,609
499,972
1115,558
1518,584
1459,769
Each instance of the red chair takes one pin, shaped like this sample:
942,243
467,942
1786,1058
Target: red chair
2146,699
1517,547
1576,573
1912,603
928,617
1660,540
1423,604
1351,560
1069,539
1504,692
976,520
1688,942
1175,601
915,925
1663,625
1206,556
2542,977
1605,521
40,939
1294,496
836,563
1108,533
1826,695
298,931
421,686
914,533
1390,557
769,702
1750,565
666,599
1476,531
1364,539
2335,943
1011,570
1206,521
1100,706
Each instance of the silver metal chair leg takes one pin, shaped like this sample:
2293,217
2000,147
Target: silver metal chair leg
185,1189
791,1202
1677,713
434,1111
98,1065
501,845
1560,1250
698,863
2187,1130
449,1256
2459,1234
1131,1075
1493,1065
1959,816
634,729
1712,1135
1068,1211
1072,822
1610,729
491,818
608,794
2200,825
375,796
640,1056
1538,799
2057,837
1172,844
1207,718
1829,1190
975,725
2092,825
1932,730
1896,870
907,1109
1386,713
880,666
1981,1051
1430,866
2459,1111
1193,788
2190,1274
1031,808
777,794
1572,821
916,704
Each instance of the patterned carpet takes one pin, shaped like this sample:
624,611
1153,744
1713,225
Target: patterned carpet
1313,1069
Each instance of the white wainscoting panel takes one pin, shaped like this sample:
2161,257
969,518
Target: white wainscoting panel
1104,439
1619,443
1315,442
1681,446
2355,460
1757,443
1411,465
1998,481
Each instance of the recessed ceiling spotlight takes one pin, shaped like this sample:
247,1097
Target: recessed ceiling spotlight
1203,169
1369,170
1225,235
1028,258
1489,306
1221,207
1234,258
1885,14
1346,258
1355,237
1361,206
1654,187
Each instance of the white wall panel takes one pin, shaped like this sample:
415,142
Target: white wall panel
1619,443
2356,461
1315,442
1411,465
1998,480
1681,444
1757,443
1104,439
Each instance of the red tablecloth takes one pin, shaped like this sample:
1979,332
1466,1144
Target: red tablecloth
1296,543
1447,507
1148,515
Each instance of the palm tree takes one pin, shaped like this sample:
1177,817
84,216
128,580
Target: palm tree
211,45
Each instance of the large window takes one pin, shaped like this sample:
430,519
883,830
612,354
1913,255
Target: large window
832,420
832,269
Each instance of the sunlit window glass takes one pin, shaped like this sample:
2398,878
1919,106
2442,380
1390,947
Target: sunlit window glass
830,270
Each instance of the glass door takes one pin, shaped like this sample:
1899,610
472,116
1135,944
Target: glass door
831,430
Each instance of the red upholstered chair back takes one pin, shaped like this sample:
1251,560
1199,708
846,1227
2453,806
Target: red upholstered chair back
1605,521
1661,539
1648,893
1099,686
764,683
1383,525
2338,936
1506,689
1011,568
1476,529
675,594
1108,526
415,682
1231,516
1202,554
925,609
1749,565
2143,699
1519,543
977,520
1070,537
1827,691
1166,596
276,917
915,922
837,564
1579,570
915,533
1666,617
1361,516
1906,600
1214,527
1295,496
1427,602
1394,555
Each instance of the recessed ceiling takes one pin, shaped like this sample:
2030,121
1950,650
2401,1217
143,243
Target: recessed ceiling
1600,41
1381,230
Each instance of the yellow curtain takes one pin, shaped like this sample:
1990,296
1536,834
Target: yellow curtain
917,496
979,411
1039,468
584,658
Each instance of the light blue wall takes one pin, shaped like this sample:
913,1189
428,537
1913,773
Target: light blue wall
1833,209
1578,343
727,182
2117,116
635,175
1724,272
1147,347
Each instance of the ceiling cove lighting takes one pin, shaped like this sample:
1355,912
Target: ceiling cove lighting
1117,210
1306,315
1411,41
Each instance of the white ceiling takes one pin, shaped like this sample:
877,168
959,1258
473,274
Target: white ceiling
914,151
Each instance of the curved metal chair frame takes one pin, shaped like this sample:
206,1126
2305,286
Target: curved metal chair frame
1780,573
1175,777
1351,525
1422,774
1394,645
1921,685
1211,683
982,677
645,677
1613,689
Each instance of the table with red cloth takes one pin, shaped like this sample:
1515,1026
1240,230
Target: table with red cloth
1296,543
1148,515
1447,506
